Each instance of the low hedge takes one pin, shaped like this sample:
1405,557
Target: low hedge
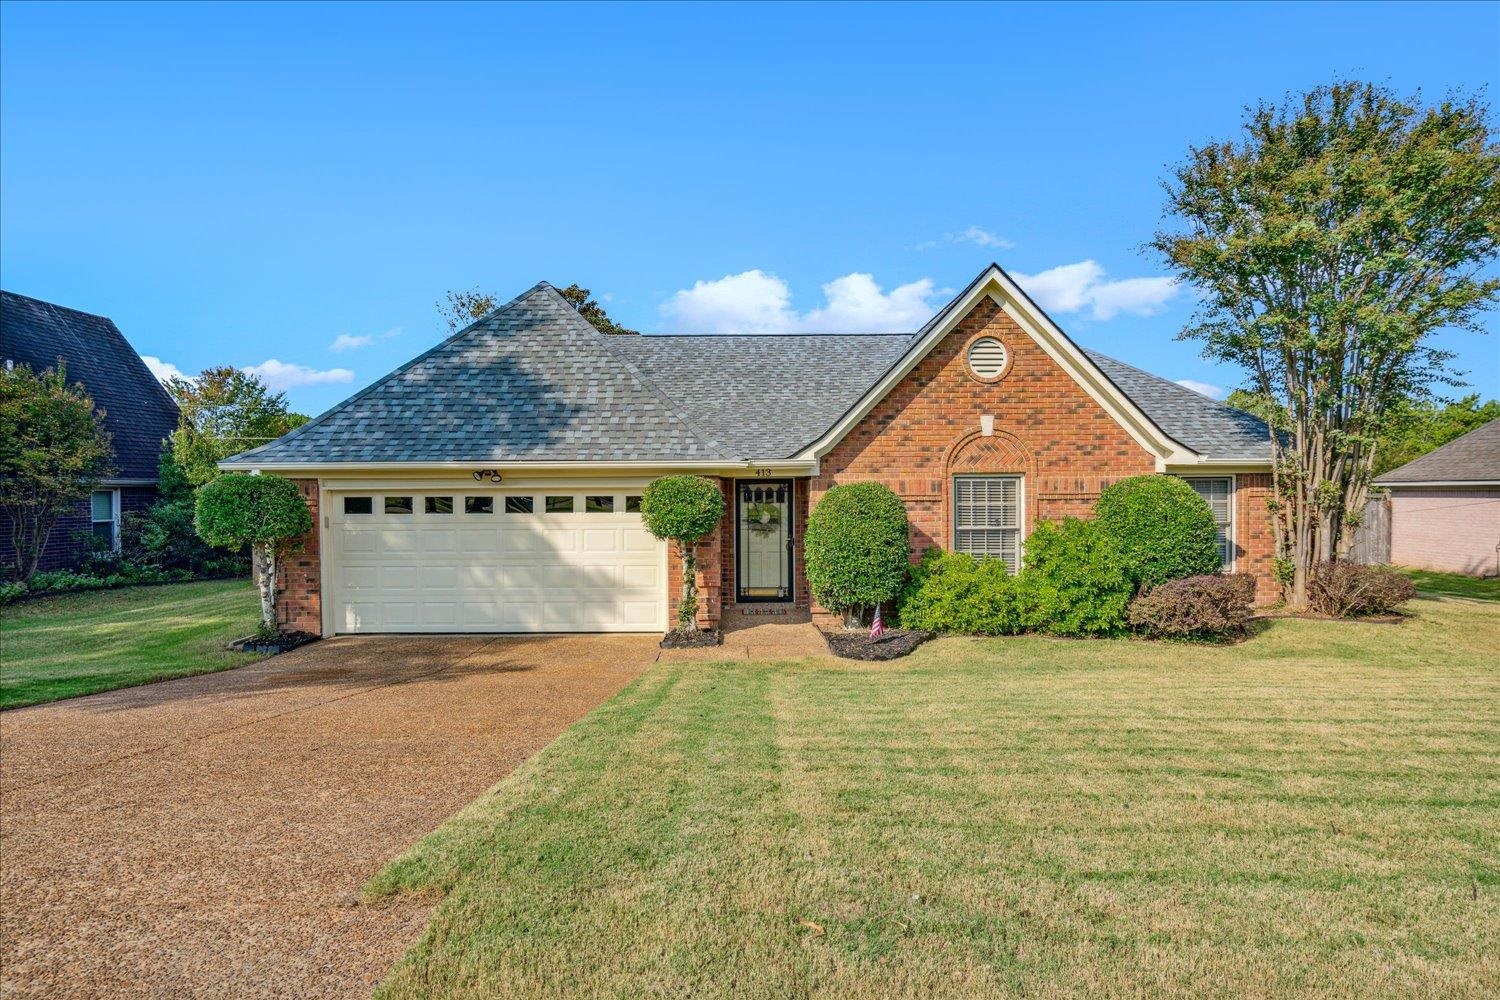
1345,589
1074,582
1195,607
62,581
954,592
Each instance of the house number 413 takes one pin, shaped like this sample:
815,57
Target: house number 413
765,472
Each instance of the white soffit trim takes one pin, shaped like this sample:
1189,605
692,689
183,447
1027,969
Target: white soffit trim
997,285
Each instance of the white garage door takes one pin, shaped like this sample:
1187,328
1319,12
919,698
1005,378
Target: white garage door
478,561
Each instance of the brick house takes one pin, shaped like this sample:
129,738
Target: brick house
1445,506
138,414
493,483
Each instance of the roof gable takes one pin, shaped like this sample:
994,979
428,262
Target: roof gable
530,382
138,412
996,284
1472,458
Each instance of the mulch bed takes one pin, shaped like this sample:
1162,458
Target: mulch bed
894,643
680,638
283,643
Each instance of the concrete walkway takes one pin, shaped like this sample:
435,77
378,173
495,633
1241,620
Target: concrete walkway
751,637
208,836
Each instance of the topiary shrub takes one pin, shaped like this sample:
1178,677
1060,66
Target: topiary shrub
1345,589
1195,607
1074,581
954,592
1165,529
683,509
265,512
856,548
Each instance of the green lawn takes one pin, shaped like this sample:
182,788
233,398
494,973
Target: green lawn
1312,812
1455,584
73,644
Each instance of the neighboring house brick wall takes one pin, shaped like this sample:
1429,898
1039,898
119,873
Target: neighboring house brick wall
1453,529
299,601
68,545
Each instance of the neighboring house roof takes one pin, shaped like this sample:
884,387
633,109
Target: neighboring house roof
535,382
1203,424
138,412
1473,458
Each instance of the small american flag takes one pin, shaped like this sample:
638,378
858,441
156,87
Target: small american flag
877,627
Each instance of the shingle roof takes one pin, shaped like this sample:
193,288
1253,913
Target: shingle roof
534,381
1473,458
765,396
1205,425
138,413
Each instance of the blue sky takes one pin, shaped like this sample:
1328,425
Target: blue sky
246,185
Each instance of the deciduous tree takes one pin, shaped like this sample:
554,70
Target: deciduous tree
225,411
1328,243
53,451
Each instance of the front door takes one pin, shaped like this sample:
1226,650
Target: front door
763,540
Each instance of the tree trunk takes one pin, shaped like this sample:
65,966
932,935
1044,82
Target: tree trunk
265,564
687,611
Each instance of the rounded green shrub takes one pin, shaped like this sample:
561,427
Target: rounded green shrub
265,512
683,509
1164,528
1074,581
856,548
954,592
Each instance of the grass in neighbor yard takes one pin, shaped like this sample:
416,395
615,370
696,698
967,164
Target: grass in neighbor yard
1312,812
1455,584
74,644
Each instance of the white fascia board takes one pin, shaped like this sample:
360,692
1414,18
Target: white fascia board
1210,467
998,286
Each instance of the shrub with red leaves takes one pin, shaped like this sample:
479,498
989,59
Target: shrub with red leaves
1348,590
1195,607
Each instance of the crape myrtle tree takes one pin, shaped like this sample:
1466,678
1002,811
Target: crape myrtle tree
53,451
266,513
1327,244
682,510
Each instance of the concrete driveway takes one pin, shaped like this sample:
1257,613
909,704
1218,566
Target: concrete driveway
209,836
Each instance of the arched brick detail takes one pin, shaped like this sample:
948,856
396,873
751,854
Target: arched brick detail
1000,453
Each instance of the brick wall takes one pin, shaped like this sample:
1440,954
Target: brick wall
299,601
69,542
710,575
1255,545
1453,529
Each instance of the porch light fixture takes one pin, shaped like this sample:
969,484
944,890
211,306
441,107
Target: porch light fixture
493,475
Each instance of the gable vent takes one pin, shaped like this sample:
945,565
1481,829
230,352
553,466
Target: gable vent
987,357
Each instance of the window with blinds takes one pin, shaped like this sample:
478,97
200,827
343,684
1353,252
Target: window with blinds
987,518
1218,492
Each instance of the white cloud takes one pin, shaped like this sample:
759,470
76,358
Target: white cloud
974,234
1070,288
279,375
351,342
758,302
1204,388
345,342
163,370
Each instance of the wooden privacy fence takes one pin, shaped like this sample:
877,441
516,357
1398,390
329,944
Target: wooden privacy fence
1372,539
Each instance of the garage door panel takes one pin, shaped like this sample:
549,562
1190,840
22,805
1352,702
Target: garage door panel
497,571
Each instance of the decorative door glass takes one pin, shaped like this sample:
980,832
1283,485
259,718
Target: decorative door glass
764,533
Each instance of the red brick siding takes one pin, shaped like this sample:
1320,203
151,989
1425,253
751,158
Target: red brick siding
1047,428
1255,545
299,601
